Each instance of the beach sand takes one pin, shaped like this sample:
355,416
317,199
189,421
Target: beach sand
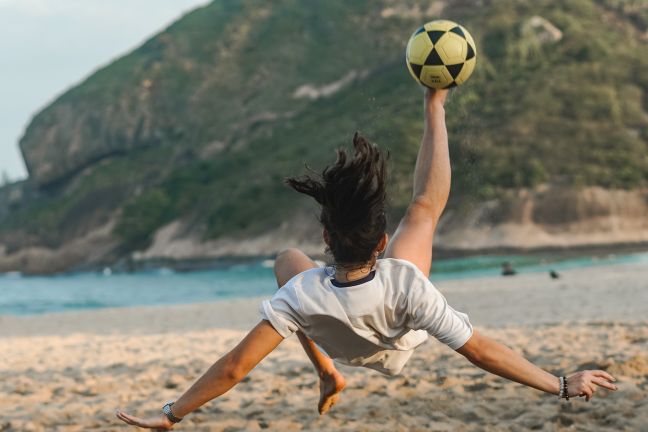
71,371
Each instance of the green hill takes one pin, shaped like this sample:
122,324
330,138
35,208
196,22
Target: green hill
204,120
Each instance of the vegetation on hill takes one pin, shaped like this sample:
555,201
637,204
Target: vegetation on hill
222,122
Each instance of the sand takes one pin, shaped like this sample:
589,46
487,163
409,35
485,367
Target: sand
70,371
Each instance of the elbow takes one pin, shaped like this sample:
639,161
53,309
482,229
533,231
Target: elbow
476,350
234,374
234,371
475,356
425,209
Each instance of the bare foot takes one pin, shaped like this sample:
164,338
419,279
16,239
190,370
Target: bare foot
330,387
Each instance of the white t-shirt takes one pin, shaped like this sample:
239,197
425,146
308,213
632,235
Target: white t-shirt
375,322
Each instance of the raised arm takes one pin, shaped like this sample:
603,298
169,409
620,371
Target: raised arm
501,360
432,170
413,238
219,378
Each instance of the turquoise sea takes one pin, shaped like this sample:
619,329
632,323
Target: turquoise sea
27,295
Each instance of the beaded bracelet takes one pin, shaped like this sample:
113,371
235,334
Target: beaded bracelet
564,391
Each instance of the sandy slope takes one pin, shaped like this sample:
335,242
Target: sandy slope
69,372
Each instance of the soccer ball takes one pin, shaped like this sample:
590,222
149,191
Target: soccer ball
441,54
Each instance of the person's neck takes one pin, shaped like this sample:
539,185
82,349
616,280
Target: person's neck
352,273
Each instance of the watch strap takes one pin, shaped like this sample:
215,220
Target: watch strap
166,410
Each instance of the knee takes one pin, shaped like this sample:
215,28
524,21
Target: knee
288,263
288,255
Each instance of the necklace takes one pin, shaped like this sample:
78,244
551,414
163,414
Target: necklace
352,273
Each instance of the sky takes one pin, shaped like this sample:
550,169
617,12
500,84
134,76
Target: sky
47,46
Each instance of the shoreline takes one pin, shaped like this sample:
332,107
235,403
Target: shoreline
440,253
614,292
212,263
131,265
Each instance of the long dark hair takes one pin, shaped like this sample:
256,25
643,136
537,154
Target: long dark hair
352,195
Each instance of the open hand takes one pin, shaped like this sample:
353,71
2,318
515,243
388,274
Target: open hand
584,383
158,422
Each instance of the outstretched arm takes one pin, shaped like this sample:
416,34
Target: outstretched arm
432,170
219,378
501,360
413,238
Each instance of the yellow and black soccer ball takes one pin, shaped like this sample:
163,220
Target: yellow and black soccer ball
441,54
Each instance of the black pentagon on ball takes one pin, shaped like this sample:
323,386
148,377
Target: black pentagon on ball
420,30
433,59
457,30
455,69
416,69
451,85
435,35
471,52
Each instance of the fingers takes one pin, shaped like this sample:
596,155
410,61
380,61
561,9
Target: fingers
159,422
125,418
587,391
132,420
585,383
603,374
604,383
135,421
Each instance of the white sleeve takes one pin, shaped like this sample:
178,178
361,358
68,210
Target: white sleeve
282,311
429,310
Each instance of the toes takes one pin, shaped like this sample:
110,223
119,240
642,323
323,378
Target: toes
326,405
333,402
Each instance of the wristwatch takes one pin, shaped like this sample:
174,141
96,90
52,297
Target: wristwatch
166,410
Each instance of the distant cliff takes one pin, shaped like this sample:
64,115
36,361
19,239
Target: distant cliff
524,221
549,218
178,149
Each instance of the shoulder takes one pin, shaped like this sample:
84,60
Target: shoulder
305,292
407,280
400,269
404,283
310,276
304,281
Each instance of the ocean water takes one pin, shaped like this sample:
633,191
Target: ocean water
28,295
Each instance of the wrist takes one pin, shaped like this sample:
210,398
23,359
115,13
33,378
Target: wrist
563,392
180,408
435,97
170,415
556,385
